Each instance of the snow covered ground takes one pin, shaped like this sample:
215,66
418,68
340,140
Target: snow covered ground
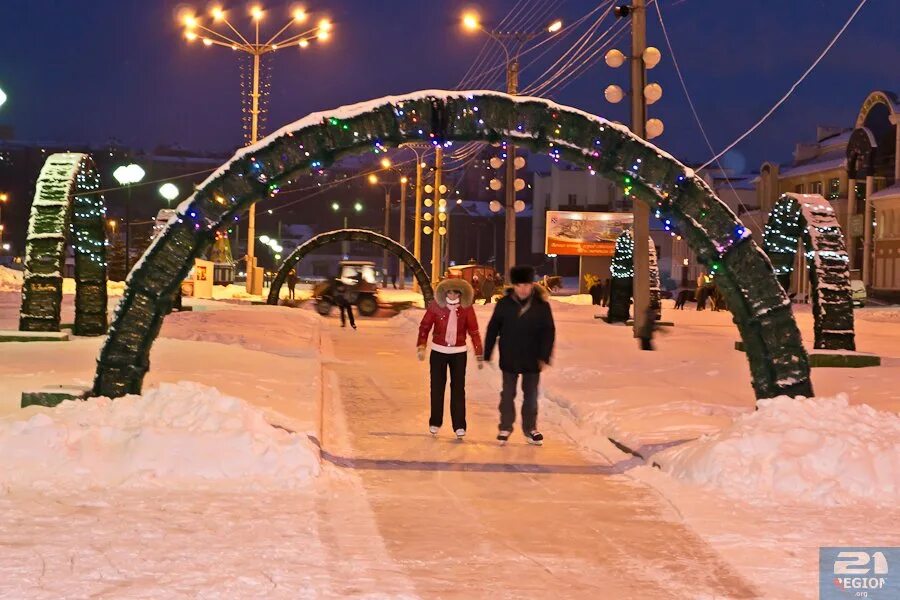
205,486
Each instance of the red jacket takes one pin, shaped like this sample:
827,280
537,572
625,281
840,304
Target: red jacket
436,317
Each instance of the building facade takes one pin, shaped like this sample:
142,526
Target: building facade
856,168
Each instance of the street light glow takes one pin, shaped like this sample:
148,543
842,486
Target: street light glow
335,206
386,163
190,35
264,239
373,179
358,207
470,21
169,191
256,12
404,179
217,13
190,21
323,35
555,26
325,25
300,15
128,174
2,97
207,42
303,43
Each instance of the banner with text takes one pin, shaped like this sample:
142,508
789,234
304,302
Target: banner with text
572,233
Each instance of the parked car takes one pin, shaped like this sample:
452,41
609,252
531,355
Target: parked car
359,277
858,294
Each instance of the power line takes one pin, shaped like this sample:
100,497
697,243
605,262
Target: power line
791,90
687,95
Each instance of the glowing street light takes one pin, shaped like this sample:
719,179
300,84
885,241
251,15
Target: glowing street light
228,36
128,175
555,26
470,21
2,97
169,191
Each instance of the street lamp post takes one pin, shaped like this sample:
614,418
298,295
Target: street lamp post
357,208
4,198
235,40
128,175
417,229
512,43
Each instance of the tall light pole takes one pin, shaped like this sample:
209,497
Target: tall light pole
373,179
4,198
128,175
357,208
235,40
641,59
512,43
417,230
438,230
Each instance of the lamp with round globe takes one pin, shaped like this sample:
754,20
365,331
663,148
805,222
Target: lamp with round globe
127,176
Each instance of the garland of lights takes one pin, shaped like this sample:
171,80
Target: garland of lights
351,235
778,363
54,212
622,271
811,218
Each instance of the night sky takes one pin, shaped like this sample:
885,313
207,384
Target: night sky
93,70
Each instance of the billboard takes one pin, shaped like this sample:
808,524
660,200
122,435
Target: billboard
572,233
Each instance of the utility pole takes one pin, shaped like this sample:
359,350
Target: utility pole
417,236
387,232
512,88
400,274
641,212
435,234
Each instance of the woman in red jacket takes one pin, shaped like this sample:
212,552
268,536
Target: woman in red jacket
451,316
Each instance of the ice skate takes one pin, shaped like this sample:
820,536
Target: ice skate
535,438
460,434
503,437
433,429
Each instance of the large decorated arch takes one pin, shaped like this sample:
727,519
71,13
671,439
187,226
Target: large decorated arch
351,235
66,206
762,312
811,218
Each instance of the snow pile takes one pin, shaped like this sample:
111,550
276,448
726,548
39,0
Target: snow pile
882,315
577,299
113,288
10,280
817,450
183,435
234,291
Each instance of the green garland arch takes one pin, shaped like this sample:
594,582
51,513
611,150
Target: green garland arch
65,205
351,235
778,362
622,278
812,217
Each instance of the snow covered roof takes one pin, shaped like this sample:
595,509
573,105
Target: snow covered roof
888,192
839,162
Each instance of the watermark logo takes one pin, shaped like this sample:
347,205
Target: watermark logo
852,572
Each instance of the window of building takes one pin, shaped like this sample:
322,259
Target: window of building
798,188
834,188
815,187
573,198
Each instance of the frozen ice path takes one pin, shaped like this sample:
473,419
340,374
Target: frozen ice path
460,522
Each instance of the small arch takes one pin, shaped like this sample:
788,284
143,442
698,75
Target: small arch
622,278
812,218
351,235
66,206
861,148
874,99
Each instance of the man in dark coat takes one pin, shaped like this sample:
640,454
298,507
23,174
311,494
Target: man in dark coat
523,321
341,294
487,289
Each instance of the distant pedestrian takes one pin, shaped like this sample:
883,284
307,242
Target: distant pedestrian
292,283
341,298
451,317
596,292
523,321
487,289
645,334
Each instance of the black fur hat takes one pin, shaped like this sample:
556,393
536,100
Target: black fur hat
521,274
